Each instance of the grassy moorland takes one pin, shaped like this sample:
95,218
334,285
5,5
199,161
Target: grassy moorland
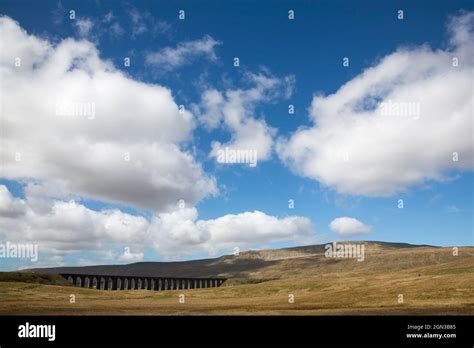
431,280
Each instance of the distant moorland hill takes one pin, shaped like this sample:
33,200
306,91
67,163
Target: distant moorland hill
251,265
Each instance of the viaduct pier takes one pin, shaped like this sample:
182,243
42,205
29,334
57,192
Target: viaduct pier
105,282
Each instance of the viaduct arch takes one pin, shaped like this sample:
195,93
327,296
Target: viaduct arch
106,282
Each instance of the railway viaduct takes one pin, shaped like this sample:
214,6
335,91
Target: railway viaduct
105,282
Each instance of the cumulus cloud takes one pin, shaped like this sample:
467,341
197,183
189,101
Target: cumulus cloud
72,120
66,227
168,58
187,235
90,132
9,206
234,109
348,227
404,121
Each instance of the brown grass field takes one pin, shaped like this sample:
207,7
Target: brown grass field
432,281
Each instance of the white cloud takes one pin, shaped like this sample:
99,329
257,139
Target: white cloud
348,227
360,146
143,22
235,109
131,257
93,30
108,17
168,59
84,26
181,232
57,14
453,209
87,118
9,206
110,24
138,22
212,103
65,227
89,131
116,29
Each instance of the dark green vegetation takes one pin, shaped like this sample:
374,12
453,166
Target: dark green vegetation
36,278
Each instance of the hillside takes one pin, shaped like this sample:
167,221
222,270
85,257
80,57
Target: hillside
34,278
261,265
431,280
247,265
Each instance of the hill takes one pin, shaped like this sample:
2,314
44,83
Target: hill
429,280
250,265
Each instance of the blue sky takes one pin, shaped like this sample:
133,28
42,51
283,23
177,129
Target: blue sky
437,197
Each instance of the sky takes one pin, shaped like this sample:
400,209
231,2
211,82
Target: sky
176,130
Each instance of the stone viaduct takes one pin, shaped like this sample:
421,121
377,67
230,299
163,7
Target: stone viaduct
105,282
